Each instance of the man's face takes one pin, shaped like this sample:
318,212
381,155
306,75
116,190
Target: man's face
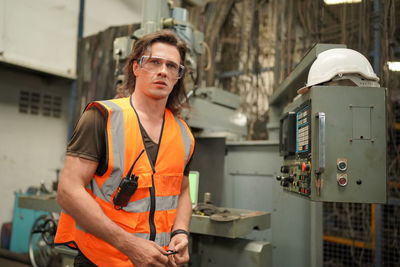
156,72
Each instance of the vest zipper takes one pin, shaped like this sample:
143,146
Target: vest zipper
152,189
152,209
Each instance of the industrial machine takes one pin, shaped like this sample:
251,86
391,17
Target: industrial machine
41,239
215,113
333,140
333,134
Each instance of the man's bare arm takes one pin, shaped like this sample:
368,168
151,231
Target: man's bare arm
183,216
184,209
77,202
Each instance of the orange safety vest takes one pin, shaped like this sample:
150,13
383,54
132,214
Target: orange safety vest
151,211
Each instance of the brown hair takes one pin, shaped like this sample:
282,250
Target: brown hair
177,97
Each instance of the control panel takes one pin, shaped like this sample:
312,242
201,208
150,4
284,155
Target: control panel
333,142
295,176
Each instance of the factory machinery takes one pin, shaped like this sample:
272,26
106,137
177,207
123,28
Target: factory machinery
332,141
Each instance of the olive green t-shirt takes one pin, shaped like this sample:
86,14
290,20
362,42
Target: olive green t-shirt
88,141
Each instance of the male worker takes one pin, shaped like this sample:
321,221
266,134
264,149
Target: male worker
131,143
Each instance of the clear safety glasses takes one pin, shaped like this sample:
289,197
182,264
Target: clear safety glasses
154,64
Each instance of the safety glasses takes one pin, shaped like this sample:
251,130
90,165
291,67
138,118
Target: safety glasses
154,64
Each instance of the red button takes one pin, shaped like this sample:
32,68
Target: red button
303,167
342,181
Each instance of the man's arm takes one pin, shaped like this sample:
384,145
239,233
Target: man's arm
77,202
184,209
183,216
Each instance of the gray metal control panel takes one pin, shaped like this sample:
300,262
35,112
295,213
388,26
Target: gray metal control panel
333,140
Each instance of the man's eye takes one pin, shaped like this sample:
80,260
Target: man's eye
172,66
155,61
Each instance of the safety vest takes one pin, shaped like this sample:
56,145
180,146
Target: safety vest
151,211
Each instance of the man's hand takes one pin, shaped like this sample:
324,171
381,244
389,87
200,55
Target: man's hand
179,243
146,253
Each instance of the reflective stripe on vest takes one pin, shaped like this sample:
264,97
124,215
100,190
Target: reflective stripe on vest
124,144
187,141
118,144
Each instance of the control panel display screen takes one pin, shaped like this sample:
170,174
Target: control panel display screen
287,137
303,130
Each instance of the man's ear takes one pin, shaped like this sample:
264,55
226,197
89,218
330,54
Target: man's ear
135,68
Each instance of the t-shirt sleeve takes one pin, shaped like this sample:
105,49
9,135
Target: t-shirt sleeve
188,164
88,138
187,167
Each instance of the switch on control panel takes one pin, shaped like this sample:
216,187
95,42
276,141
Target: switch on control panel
341,164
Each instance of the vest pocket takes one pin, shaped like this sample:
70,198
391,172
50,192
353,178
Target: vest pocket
168,184
144,180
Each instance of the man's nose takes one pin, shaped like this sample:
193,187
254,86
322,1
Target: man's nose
163,69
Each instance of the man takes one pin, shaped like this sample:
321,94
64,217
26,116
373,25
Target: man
138,139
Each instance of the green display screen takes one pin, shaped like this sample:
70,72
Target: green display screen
194,186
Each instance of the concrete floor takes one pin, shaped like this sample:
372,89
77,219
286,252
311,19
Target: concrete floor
12,263
12,259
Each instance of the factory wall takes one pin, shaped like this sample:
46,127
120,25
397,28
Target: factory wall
33,115
43,34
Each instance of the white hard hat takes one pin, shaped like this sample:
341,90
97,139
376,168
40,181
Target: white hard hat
337,62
